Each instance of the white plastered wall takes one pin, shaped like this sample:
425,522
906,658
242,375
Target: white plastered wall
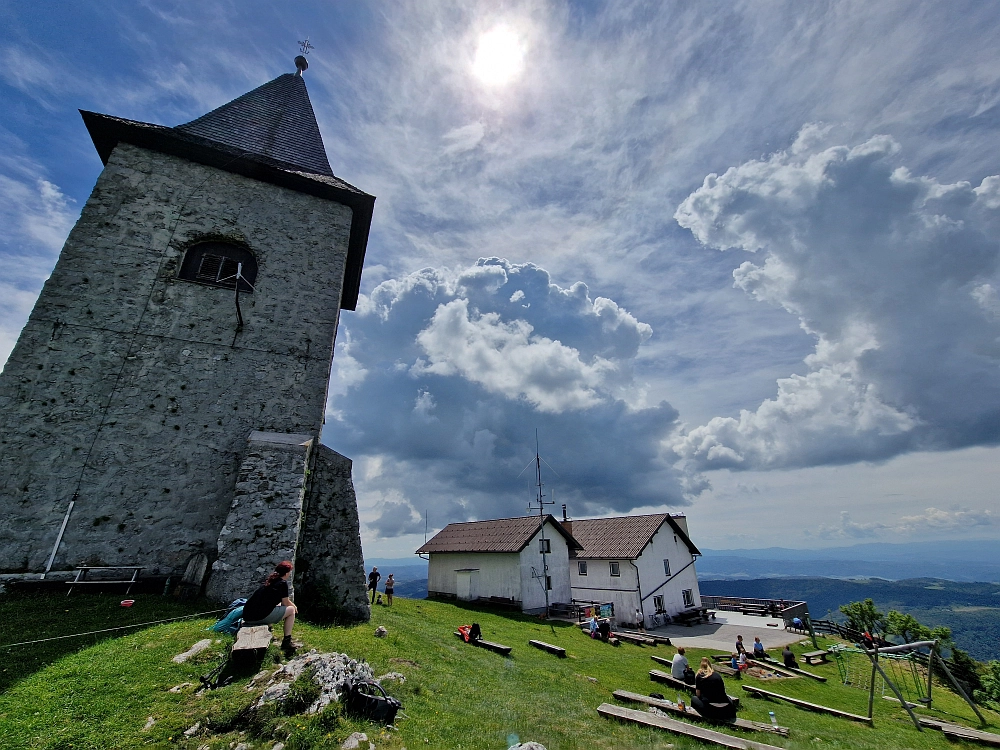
666,545
558,562
498,573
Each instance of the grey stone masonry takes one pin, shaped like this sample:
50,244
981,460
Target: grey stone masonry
262,527
134,387
330,573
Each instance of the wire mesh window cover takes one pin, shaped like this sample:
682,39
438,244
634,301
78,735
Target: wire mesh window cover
216,263
615,570
581,567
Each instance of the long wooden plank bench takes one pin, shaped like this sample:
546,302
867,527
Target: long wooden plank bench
665,705
668,679
807,705
610,711
497,648
957,731
636,640
661,640
557,650
819,655
796,670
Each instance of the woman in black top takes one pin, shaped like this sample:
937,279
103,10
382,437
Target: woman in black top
710,699
270,604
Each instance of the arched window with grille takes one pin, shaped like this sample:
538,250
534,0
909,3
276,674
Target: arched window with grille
216,263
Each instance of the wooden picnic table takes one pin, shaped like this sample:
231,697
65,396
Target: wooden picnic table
83,570
820,655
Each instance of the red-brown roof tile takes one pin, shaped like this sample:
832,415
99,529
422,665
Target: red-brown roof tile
499,535
622,537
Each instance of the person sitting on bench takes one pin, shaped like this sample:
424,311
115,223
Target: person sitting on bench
270,604
758,648
679,668
740,648
789,657
710,699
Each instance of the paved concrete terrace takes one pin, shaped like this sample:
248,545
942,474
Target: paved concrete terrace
719,634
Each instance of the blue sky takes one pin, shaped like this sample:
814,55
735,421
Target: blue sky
736,259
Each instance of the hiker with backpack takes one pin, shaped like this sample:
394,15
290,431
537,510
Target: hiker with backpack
271,604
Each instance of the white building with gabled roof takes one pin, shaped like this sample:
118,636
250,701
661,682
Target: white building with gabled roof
501,561
643,563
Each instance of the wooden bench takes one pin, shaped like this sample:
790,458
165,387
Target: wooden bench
819,655
660,640
557,650
665,705
756,691
958,732
251,645
668,679
497,648
647,719
83,570
637,640
796,670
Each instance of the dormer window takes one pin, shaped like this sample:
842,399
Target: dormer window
218,264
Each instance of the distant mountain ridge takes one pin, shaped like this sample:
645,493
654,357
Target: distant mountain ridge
966,561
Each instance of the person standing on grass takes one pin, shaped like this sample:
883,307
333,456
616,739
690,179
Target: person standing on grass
270,604
373,579
390,583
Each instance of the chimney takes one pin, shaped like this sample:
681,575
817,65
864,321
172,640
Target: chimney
564,512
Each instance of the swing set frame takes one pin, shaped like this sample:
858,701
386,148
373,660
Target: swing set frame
873,656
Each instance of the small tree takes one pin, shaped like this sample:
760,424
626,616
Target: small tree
864,616
906,627
990,691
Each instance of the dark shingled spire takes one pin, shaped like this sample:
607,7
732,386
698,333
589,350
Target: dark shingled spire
275,121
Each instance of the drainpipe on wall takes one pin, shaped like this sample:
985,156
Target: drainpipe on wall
638,588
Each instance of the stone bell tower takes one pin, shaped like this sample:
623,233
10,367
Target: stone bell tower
163,404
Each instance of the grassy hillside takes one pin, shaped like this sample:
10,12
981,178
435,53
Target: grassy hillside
455,696
971,610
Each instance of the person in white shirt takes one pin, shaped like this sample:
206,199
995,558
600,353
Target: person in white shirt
679,665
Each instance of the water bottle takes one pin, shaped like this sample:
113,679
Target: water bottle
774,721
680,702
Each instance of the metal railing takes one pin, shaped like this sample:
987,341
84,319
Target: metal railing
772,607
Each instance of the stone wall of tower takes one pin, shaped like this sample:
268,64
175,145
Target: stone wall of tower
136,387
330,574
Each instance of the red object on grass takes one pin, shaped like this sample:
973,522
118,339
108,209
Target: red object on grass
128,602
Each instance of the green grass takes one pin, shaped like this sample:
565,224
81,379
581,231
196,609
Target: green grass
455,696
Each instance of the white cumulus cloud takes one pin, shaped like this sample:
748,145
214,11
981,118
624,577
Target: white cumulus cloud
893,275
451,372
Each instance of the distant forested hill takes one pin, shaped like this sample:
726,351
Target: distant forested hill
971,610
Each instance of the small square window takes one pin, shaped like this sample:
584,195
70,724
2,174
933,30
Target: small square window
545,545
688,595
658,604
581,567
615,570
666,567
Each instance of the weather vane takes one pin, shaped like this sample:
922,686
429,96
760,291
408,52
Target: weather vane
305,46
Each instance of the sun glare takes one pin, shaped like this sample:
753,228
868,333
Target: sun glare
499,57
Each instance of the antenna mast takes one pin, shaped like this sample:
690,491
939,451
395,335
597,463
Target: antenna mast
543,542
